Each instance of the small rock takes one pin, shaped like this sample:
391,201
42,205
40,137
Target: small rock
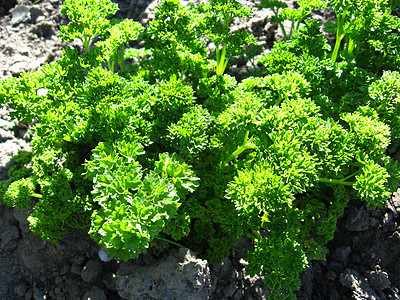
358,284
308,279
396,235
20,290
224,268
103,255
334,295
10,238
38,294
35,13
66,269
179,276
5,135
230,289
379,280
341,254
356,219
58,280
79,259
336,267
388,217
91,271
21,216
18,68
29,294
330,275
76,269
257,22
95,294
19,14
43,29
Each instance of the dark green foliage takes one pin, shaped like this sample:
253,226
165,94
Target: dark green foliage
172,149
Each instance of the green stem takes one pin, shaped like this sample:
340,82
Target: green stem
86,43
352,175
350,47
222,61
36,195
110,65
340,33
172,242
276,12
254,235
241,149
340,181
121,58
292,28
285,36
335,181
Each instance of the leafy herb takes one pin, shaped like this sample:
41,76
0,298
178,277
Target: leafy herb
172,149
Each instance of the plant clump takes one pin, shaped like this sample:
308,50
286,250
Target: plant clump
144,148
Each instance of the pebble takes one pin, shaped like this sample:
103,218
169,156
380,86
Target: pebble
356,219
379,280
91,271
341,254
396,235
38,294
5,135
95,294
76,269
20,290
330,275
29,294
36,13
20,13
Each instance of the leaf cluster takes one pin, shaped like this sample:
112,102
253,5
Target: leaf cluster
155,146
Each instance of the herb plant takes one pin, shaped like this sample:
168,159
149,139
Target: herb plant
171,148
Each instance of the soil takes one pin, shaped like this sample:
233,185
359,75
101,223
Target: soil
362,262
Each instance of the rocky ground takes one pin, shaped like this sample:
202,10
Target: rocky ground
362,262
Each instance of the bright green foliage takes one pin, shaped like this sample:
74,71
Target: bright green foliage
113,48
176,38
134,206
278,255
370,133
371,184
218,15
173,40
370,32
300,154
295,16
385,98
172,149
88,20
280,87
189,135
16,191
19,193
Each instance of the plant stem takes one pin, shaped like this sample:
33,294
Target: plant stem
172,242
243,147
340,33
335,181
35,195
222,61
121,58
